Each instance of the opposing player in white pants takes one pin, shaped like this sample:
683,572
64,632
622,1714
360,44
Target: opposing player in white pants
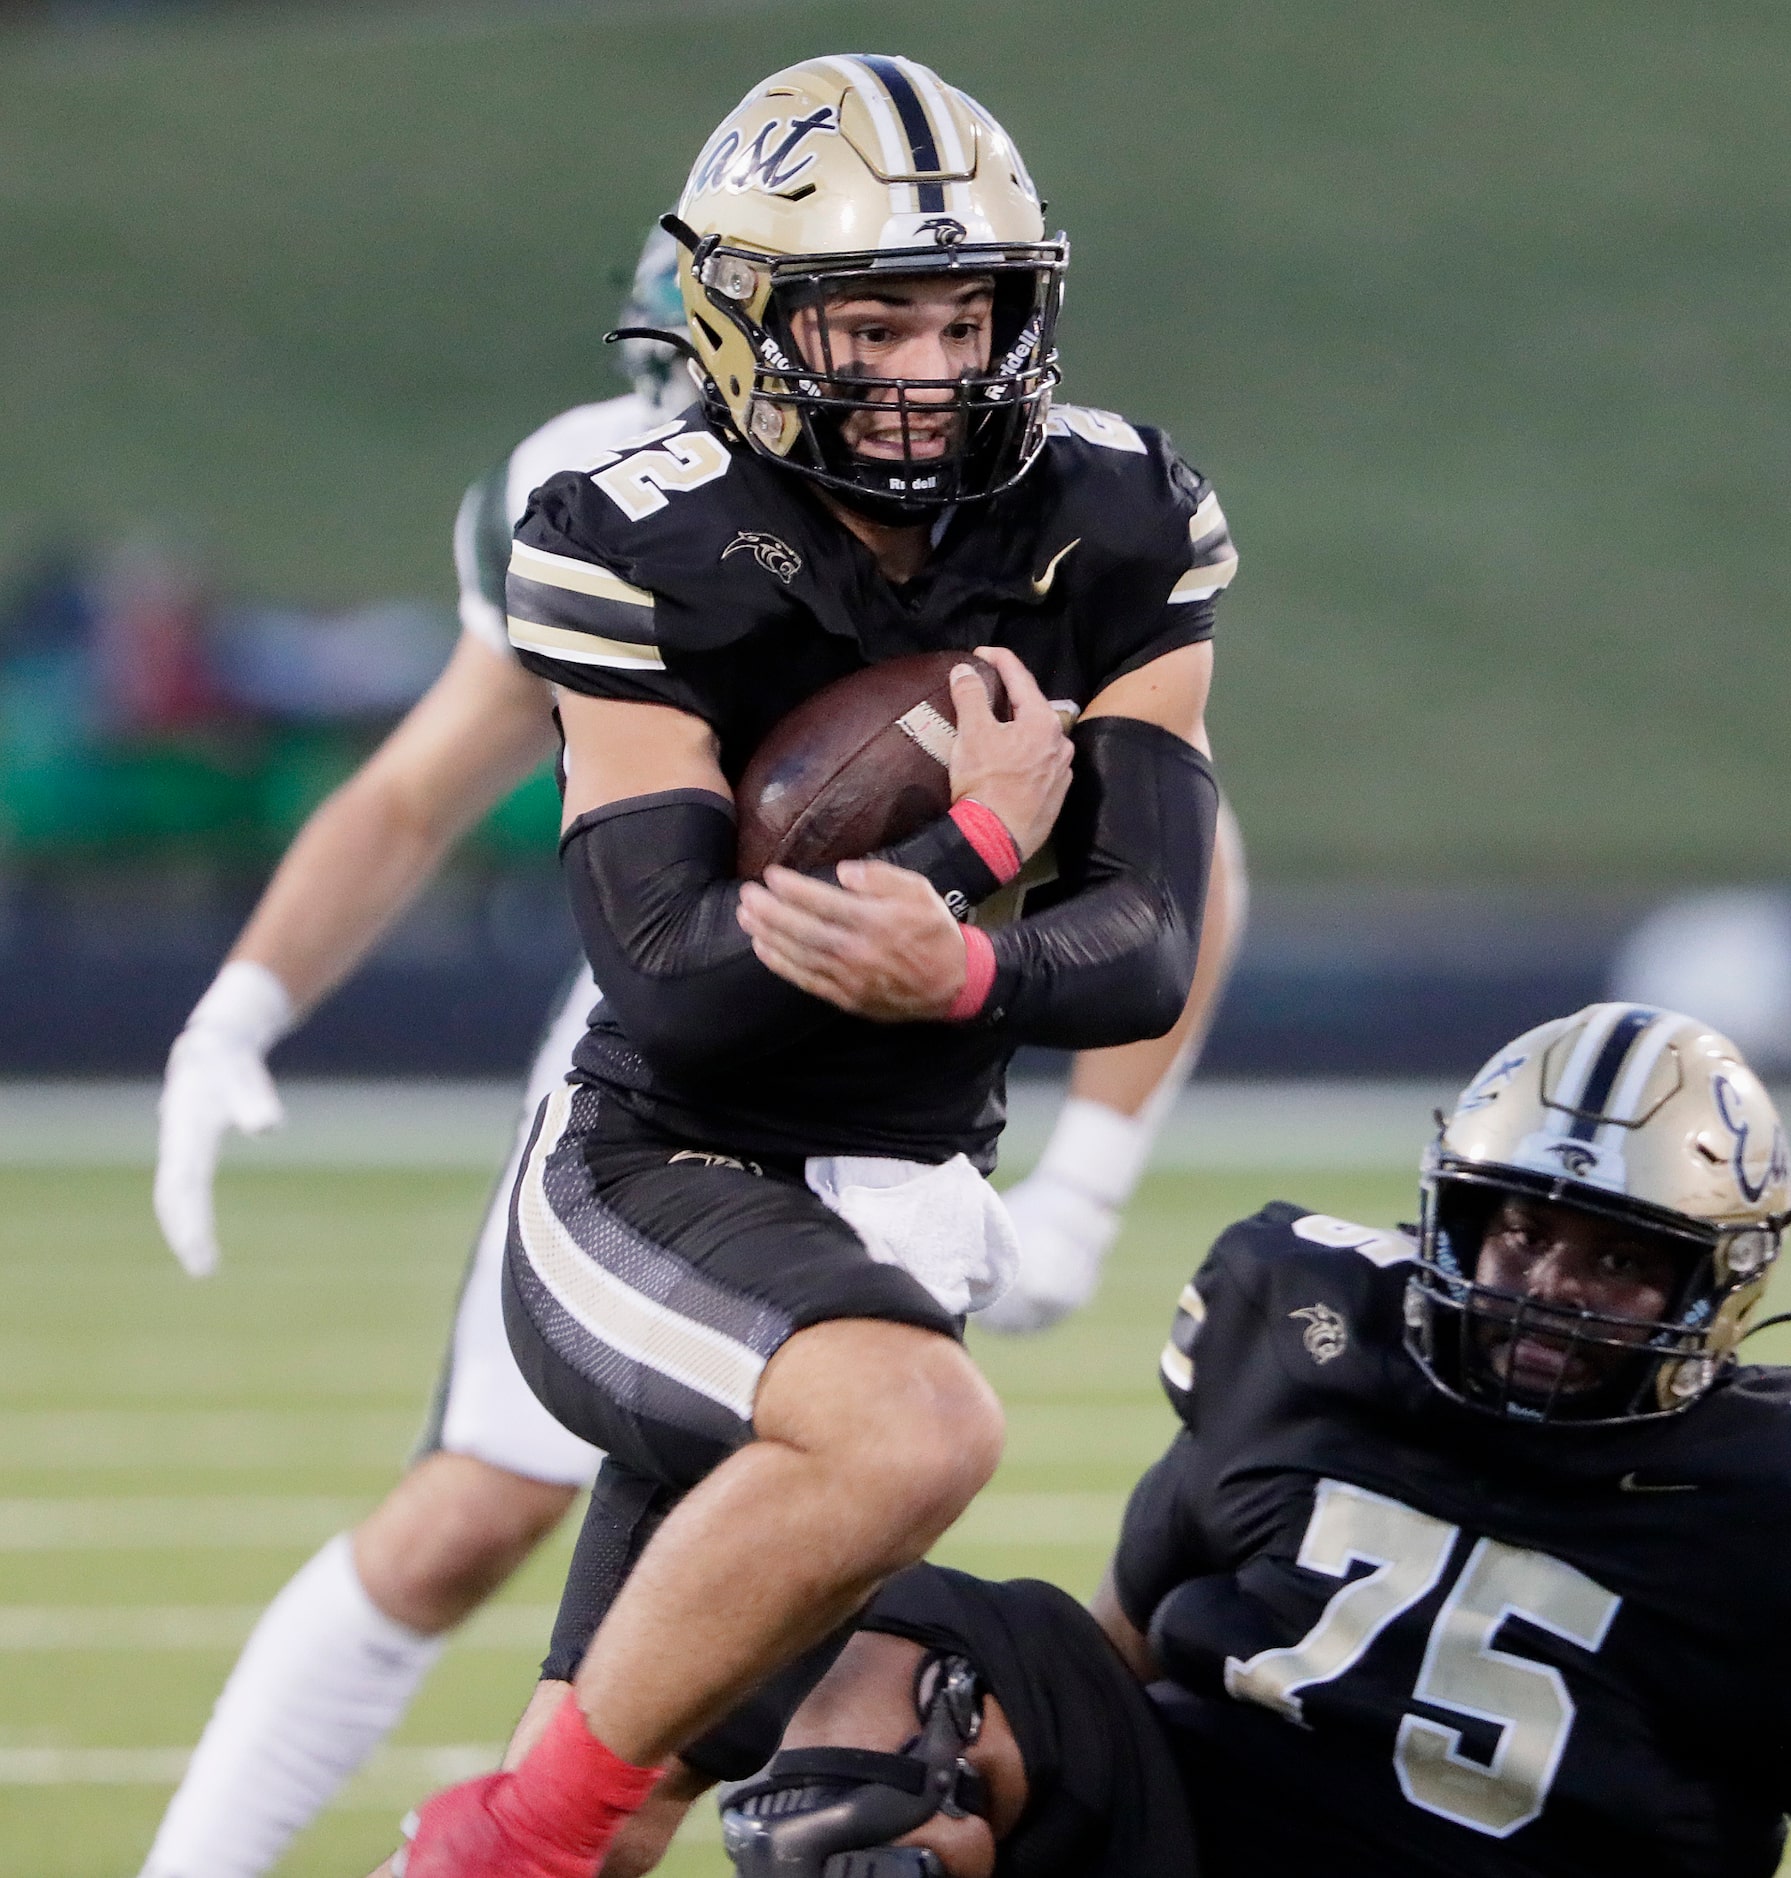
339,1654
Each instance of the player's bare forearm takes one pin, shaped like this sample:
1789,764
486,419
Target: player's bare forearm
617,750
370,848
1122,1633
1171,691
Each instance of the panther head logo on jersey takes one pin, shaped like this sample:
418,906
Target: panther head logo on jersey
772,553
1326,1335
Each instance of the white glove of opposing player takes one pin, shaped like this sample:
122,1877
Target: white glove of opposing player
217,1079
1064,1237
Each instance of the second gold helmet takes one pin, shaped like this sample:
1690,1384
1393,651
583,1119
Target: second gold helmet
1628,1113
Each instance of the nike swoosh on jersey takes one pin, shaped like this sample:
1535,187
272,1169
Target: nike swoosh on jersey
1041,583
1629,1484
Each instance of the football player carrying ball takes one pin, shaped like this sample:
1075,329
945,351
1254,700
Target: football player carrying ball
746,1232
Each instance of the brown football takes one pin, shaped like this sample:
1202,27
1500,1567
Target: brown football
862,763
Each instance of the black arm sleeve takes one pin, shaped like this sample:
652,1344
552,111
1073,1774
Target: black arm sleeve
654,896
1159,1542
1112,961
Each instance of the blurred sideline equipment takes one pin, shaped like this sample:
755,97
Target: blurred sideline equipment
339,1655
1726,954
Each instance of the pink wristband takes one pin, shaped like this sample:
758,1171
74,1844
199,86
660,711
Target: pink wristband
979,976
987,834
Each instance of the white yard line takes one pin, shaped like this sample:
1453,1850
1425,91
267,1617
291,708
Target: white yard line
125,1629
1319,1125
395,1775
394,1779
211,1524
242,1440
218,1522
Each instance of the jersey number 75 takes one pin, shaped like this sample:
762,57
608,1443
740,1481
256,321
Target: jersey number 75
1528,1702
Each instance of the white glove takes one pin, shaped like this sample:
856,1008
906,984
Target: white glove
1064,1237
217,1079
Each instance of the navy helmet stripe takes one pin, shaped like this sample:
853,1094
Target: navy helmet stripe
914,122
1603,1077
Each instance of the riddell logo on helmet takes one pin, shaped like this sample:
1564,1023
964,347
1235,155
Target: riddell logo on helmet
766,160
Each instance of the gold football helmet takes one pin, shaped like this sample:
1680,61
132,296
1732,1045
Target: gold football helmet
1626,1113
859,166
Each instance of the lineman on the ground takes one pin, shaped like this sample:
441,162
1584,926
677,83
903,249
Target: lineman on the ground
1474,1556
1471,1560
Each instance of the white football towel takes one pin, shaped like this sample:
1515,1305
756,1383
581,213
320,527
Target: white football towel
943,1225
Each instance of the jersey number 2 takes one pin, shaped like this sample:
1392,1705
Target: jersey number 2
1407,1553
636,485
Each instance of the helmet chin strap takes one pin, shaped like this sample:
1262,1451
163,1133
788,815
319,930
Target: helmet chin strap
891,511
832,1812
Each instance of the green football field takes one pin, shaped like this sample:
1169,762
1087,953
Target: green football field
171,1452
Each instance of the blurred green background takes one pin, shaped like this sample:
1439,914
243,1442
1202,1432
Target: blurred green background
1475,314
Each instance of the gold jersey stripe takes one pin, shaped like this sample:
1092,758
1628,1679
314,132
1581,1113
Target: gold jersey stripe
1178,1370
561,570
555,642
1201,583
634,1323
1207,518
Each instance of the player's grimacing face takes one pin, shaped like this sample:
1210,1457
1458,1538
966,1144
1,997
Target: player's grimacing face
909,327
1571,1262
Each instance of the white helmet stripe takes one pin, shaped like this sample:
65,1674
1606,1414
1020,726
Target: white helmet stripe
903,197
892,144
945,127
1568,1093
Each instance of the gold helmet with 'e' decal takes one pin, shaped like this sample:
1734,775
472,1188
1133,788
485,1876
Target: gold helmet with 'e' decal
831,177
1639,1118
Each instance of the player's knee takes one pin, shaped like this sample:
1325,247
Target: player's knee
940,1441
448,1535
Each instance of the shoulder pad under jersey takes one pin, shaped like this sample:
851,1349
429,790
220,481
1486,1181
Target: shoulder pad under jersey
1306,1281
575,439
1137,507
637,557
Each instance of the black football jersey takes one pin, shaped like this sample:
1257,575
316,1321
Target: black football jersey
1103,1796
1406,1636
691,572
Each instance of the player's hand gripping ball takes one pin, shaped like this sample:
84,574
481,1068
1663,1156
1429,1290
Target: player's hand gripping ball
864,763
